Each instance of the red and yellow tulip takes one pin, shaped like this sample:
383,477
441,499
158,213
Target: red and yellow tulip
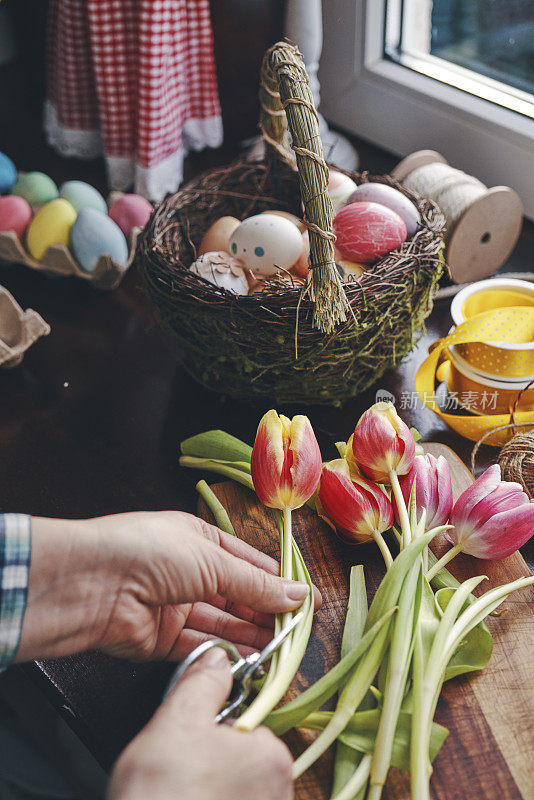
382,443
286,461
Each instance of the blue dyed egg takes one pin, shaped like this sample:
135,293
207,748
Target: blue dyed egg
8,174
82,195
93,235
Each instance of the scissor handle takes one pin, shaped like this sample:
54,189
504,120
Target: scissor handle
197,653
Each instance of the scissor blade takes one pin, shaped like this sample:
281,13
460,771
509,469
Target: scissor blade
275,643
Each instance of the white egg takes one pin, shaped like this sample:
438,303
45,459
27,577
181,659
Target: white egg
222,270
266,243
339,188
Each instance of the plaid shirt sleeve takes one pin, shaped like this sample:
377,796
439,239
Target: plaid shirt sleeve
15,552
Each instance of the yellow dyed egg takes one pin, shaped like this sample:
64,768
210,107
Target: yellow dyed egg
218,235
51,225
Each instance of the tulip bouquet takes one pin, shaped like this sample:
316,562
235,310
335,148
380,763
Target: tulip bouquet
422,627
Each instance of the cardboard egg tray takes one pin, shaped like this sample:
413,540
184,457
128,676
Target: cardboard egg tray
59,261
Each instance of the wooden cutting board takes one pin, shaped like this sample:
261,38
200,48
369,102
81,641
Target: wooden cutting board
489,752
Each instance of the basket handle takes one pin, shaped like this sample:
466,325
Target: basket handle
286,101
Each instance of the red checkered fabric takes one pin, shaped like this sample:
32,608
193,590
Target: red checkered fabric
134,79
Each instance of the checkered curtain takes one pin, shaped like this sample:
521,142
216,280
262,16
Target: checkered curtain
136,81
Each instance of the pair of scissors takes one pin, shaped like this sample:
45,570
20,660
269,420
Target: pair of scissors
245,670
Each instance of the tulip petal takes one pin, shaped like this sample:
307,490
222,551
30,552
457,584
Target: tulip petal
486,483
267,460
381,442
505,497
357,508
306,462
502,535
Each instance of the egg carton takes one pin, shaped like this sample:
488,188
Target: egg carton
59,261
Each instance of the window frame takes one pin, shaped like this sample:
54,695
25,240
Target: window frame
485,139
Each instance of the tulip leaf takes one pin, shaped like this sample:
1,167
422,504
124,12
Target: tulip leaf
474,650
362,729
347,759
217,445
290,715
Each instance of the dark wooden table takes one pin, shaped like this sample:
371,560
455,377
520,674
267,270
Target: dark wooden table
90,424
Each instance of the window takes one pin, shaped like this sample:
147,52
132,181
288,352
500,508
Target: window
455,76
484,47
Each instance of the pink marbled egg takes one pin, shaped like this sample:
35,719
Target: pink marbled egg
366,231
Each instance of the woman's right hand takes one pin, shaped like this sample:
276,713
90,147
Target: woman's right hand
182,754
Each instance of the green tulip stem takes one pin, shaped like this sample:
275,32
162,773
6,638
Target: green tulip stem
220,515
427,683
236,474
438,566
286,571
357,781
384,549
350,698
401,507
400,654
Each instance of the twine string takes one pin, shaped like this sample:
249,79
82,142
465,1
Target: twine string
453,190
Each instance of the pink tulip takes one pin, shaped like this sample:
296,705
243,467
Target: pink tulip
492,518
355,507
382,442
286,461
433,489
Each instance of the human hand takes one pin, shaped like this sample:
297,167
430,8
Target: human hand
183,755
147,585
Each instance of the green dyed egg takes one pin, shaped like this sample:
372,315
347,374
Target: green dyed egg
82,195
51,225
36,188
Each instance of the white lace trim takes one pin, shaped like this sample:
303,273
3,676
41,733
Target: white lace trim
152,182
70,142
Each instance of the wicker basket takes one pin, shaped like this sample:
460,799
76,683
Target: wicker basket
272,344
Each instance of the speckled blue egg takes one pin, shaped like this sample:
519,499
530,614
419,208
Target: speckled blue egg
93,235
82,195
8,174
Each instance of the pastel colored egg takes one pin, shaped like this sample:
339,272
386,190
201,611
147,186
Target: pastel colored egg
346,268
130,211
223,270
393,199
15,214
217,237
339,188
366,231
51,225
8,174
291,217
36,188
266,243
82,195
301,266
93,235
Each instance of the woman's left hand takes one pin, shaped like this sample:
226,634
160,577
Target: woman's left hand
148,586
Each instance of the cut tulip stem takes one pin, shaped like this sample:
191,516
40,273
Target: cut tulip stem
443,561
384,549
286,571
356,782
220,515
401,506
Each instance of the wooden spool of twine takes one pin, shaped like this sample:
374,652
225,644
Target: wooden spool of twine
286,101
483,225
